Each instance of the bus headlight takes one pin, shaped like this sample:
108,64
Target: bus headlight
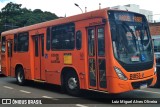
155,70
120,74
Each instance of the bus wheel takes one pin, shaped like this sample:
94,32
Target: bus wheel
157,84
20,76
72,84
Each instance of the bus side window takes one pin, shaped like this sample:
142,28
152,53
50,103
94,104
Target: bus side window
3,48
48,40
15,42
23,42
55,38
78,40
63,37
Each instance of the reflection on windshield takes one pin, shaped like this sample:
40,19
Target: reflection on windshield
131,42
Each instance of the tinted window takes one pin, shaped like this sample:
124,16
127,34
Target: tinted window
36,46
9,49
48,45
63,37
101,46
91,39
92,72
78,40
15,42
42,44
3,49
23,41
102,73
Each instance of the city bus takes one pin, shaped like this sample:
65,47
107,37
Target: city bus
98,50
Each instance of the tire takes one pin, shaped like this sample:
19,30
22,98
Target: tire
72,84
20,76
157,84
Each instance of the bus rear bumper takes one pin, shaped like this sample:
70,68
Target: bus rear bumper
118,86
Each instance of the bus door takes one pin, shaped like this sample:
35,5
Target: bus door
96,58
39,72
9,52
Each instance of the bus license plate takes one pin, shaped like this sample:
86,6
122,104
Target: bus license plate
143,86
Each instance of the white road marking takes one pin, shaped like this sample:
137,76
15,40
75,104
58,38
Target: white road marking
7,87
46,97
80,105
149,91
24,91
50,97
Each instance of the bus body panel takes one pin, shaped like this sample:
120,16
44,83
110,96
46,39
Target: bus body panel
48,65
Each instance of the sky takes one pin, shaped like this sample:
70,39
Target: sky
67,7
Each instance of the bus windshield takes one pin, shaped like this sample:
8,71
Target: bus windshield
130,38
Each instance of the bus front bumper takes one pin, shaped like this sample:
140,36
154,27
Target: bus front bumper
118,86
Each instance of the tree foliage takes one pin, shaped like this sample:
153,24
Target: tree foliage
14,16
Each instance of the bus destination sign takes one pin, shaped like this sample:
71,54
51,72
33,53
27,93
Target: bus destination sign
128,17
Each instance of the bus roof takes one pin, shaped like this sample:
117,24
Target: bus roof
88,15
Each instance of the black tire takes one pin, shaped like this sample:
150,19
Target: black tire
20,77
72,84
157,84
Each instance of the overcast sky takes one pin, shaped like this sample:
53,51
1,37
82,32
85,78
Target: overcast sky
62,7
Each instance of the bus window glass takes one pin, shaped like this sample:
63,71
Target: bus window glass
42,44
101,46
48,40
9,49
78,40
55,39
63,37
91,39
132,44
102,73
3,48
15,42
36,46
92,72
23,40
131,40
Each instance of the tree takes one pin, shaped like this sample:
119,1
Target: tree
11,9
13,16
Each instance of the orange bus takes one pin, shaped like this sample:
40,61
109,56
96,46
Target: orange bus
98,50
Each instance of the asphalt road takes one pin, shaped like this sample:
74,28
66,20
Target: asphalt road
9,89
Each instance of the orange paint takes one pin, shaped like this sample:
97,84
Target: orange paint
47,65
